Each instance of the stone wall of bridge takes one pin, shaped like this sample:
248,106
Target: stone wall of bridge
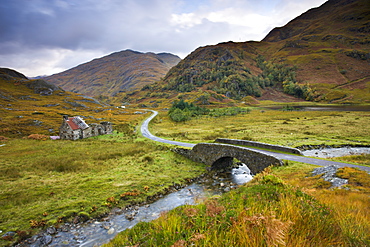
221,155
259,145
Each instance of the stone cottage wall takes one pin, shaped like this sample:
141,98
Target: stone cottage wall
107,126
67,133
94,129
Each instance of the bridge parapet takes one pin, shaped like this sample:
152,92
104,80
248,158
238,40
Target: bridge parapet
259,145
221,155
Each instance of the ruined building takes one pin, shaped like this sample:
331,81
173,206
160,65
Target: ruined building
74,128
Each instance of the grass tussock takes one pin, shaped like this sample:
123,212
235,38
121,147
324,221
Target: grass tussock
268,211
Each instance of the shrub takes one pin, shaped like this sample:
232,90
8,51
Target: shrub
38,137
183,111
232,111
147,158
179,115
3,138
126,129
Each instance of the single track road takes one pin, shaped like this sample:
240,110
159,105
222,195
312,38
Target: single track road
320,162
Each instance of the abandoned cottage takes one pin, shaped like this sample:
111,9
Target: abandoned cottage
74,128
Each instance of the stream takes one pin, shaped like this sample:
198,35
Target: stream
364,108
97,232
336,152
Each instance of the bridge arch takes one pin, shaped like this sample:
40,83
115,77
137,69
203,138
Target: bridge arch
223,162
221,155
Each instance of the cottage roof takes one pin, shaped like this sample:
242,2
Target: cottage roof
76,123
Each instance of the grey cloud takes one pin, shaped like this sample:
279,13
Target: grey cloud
56,30
43,23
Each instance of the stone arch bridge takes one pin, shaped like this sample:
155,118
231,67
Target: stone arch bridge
219,156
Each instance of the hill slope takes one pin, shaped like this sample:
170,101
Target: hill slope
36,106
330,45
119,71
322,55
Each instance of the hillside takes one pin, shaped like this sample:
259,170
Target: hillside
330,45
322,55
36,107
117,72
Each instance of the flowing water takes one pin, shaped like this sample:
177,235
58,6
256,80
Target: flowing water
336,152
96,233
324,108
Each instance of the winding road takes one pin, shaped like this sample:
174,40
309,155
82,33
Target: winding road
146,133
320,162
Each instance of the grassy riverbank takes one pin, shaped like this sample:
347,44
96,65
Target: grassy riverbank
50,182
279,207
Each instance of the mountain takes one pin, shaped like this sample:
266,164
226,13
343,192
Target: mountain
322,55
117,72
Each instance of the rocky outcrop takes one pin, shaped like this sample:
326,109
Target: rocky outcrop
328,173
42,87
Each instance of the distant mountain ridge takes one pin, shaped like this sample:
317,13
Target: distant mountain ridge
322,55
117,72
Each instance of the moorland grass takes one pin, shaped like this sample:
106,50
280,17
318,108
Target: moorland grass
289,128
362,159
268,211
49,182
46,182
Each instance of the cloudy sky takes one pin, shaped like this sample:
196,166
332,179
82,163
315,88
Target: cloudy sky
42,37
